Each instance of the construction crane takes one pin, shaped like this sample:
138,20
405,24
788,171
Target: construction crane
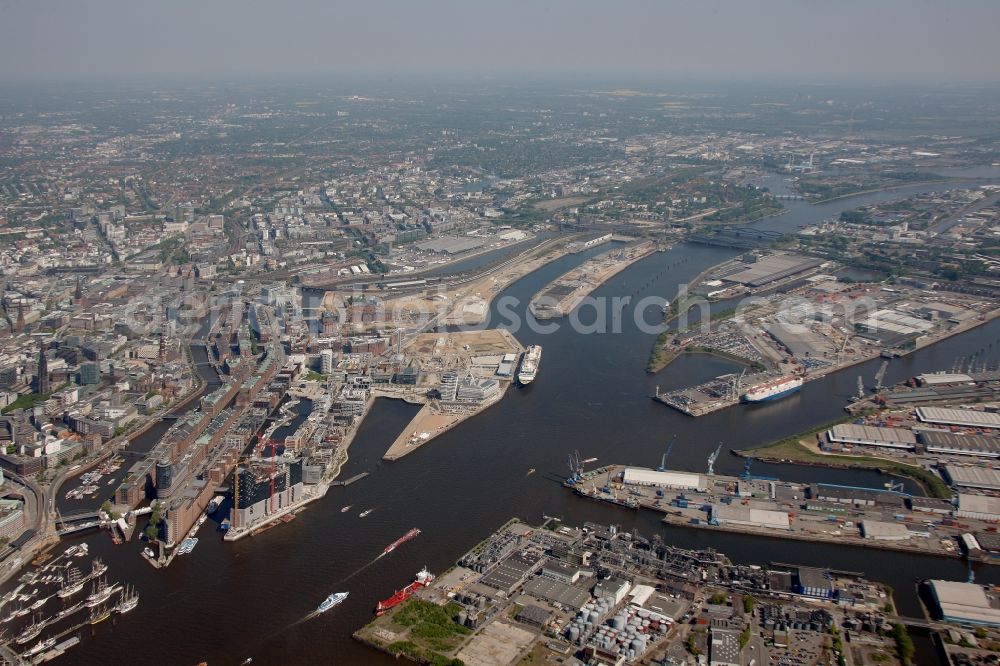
712,458
663,460
880,376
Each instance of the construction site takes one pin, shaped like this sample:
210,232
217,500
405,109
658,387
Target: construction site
461,374
565,293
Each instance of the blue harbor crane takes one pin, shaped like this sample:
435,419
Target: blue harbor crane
663,460
711,460
747,476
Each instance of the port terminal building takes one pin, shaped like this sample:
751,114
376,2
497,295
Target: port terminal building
978,507
750,516
930,440
637,476
980,478
965,603
969,418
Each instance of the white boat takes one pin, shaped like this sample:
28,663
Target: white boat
365,513
774,389
102,592
187,545
214,505
40,646
346,508
30,632
334,599
129,600
529,365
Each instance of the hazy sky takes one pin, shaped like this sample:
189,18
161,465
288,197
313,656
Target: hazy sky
803,40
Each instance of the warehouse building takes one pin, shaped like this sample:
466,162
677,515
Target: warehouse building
978,507
636,476
972,477
881,530
940,441
896,438
969,418
943,379
853,496
748,516
813,582
555,592
930,505
966,603
760,271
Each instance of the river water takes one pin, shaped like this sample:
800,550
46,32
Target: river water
226,602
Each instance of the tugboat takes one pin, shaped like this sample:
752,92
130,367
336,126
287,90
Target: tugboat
334,599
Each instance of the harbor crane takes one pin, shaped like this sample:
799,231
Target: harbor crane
861,388
575,466
663,460
880,377
712,458
747,476
896,487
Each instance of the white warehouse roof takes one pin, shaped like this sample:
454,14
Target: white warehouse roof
880,529
849,433
738,514
647,477
973,477
965,602
964,417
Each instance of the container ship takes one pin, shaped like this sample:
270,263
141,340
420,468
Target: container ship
772,390
423,579
400,541
529,365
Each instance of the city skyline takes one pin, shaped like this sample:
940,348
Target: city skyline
770,40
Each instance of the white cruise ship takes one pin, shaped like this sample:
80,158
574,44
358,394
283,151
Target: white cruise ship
529,365
772,390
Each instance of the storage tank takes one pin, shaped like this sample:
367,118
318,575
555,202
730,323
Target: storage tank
618,622
462,617
574,634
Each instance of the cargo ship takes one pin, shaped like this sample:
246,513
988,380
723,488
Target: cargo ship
529,365
422,579
604,496
400,541
774,389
